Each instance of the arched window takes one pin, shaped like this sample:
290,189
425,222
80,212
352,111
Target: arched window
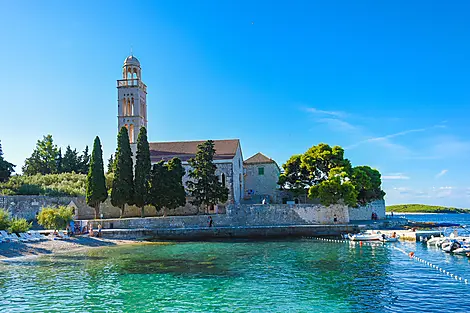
124,107
132,107
131,133
223,179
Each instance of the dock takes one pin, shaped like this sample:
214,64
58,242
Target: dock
416,236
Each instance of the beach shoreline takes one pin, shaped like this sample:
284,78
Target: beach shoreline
12,250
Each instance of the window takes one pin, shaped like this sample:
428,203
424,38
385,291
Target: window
223,179
260,170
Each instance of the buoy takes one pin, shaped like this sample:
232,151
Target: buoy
411,254
360,243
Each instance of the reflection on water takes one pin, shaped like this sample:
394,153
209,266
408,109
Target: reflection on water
273,276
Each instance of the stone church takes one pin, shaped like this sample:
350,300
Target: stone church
233,172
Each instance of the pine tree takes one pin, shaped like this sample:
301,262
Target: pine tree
71,161
123,182
204,186
96,183
175,189
142,171
43,159
111,163
84,161
6,168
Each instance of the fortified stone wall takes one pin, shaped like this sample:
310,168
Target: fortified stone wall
365,212
242,215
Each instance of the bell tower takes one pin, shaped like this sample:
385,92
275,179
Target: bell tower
132,100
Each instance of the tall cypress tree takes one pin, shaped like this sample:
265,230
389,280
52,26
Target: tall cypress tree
204,185
111,164
158,183
123,182
96,183
84,161
142,171
176,192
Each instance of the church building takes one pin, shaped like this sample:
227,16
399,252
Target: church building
132,114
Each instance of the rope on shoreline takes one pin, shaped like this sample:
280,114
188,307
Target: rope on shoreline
411,255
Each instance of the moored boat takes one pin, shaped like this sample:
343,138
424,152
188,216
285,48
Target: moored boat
364,237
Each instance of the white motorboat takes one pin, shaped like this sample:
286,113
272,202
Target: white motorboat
364,237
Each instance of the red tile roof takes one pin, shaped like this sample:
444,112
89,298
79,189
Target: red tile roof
184,150
259,158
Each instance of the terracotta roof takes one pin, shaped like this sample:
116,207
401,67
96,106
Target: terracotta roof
259,158
185,150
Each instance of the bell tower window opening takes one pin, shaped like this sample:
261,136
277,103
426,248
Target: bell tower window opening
131,133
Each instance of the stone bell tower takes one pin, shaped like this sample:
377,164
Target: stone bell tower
132,100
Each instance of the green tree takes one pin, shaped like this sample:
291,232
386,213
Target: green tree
6,168
368,184
204,186
175,189
43,159
328,176
158,184
55,218
295,176
337,188
5,219
84,161
59,161
96,183
111,164
142,171
19,225
123,183
71,161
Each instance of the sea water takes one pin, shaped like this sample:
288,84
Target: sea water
303,275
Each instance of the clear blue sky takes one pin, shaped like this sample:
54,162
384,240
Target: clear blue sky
387,80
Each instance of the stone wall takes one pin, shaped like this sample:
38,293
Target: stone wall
365,212
28,206
242,215
258,186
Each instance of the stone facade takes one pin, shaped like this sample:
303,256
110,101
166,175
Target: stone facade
364,213
261,181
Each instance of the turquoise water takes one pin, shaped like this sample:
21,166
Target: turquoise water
274,276
302,275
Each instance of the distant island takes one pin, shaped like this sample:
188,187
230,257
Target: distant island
423,208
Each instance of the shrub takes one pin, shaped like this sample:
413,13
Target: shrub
55,218
4,219
19,225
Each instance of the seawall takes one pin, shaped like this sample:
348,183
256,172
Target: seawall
247,232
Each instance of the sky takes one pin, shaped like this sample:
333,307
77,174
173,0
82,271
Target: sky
387,80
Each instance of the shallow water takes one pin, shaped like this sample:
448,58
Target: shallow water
272,276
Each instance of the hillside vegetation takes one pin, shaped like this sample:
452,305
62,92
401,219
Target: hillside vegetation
65,184
422,208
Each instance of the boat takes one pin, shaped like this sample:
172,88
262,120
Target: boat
364,237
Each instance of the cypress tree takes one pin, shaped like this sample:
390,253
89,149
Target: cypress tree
96,183
204,185
142,171
84,161
176,193
123,182
111,164
157,192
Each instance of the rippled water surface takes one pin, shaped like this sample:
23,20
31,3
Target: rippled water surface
271,276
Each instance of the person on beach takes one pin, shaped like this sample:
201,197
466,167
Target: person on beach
394,235
210,221
335,218
91,231
99,230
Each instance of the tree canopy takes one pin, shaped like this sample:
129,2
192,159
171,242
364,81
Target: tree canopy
204,185
6,168
122,192
43,160
166,185
322,172
96,183
142,171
